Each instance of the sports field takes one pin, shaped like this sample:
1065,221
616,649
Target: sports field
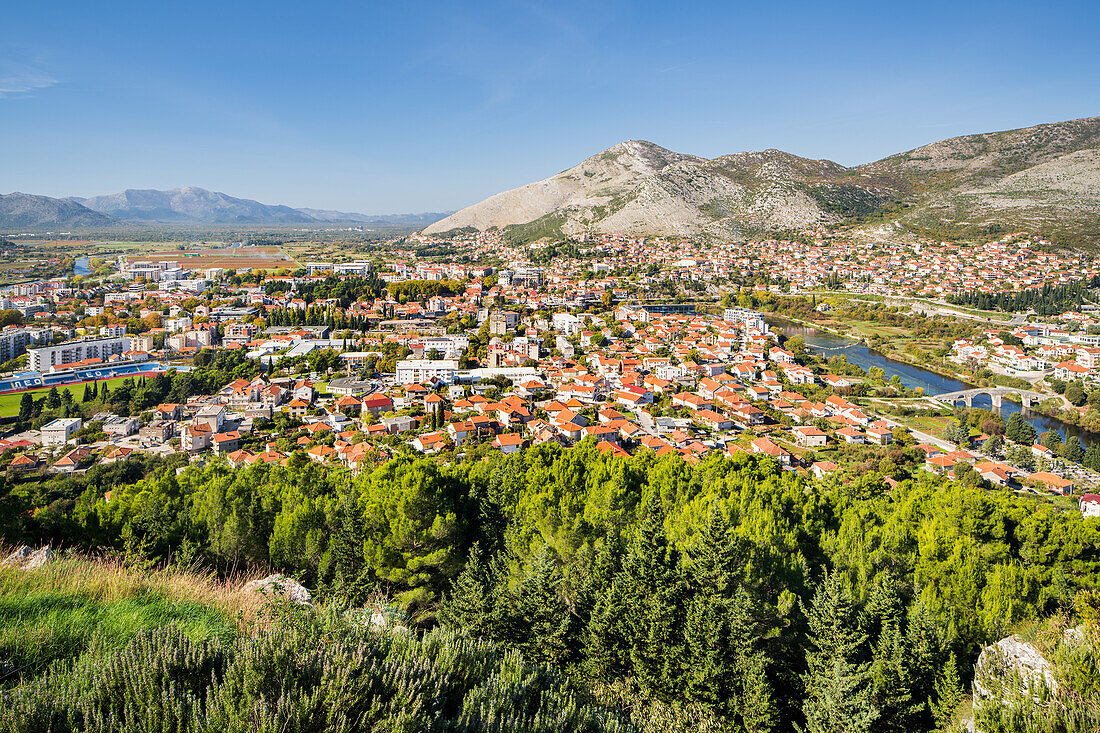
9,402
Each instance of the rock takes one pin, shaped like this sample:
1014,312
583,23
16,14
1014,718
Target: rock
280,585
27,559
995,674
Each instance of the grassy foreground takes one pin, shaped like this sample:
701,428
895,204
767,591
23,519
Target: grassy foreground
89,645
56,612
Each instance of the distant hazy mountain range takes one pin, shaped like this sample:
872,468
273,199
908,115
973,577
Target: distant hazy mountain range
178,206
1043,178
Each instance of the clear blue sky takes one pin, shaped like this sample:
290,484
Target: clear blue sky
385,107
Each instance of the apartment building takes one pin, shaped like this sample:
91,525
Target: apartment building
423,370
43,358
14,341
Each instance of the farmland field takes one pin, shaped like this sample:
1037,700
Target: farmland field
257,258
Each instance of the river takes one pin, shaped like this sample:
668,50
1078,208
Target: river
80,267
911,376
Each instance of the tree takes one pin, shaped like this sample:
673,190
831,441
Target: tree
26,407
948,695
1092,455
53,399
838,690
994,445
960,436
478,601
1053,441
1019,430
1075,393
1074,451
542,622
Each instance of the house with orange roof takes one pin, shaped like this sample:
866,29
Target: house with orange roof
1052,482
24,462
226,442
508,442
240,457
768,448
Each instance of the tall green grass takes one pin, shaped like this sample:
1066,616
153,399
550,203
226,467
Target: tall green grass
55,612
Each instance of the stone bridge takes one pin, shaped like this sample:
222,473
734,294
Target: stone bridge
996,395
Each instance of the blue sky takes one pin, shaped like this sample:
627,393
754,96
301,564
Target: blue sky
384,107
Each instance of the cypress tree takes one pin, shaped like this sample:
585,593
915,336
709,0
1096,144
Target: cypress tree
87,396
1074,451
26,407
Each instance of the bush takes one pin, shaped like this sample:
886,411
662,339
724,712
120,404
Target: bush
303,675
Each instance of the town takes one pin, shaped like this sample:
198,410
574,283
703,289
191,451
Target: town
629,343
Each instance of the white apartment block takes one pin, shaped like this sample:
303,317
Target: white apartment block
423,370
359,267
14,341
42,359
61,430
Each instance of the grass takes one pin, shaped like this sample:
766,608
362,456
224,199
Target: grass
9,403
55,612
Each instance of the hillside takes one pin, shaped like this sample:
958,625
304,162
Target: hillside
637,187
27,211
1044,178
192,205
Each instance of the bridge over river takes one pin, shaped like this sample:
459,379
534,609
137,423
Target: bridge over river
996,395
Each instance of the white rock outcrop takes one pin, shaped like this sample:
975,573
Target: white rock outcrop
280,586
26,558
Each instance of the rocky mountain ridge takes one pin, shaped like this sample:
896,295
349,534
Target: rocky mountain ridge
1041,177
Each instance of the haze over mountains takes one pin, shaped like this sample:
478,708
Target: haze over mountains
1041,178
189,206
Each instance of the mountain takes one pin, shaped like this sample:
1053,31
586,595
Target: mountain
1043,178
26,211
391,220
191,205
637,187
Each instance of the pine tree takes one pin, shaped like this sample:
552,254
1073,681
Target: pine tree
53,399
478,600
838,690
948,695
347,553
542,619
654,591
719,630
892,684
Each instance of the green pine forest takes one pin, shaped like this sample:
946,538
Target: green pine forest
640,593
